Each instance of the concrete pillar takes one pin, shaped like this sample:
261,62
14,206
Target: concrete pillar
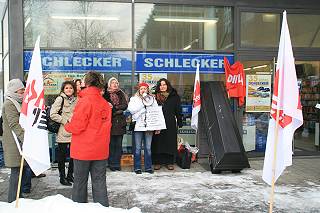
210,31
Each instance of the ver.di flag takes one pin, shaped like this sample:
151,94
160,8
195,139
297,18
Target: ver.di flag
196,101
286,99
32,117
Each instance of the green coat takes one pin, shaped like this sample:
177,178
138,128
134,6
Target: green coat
10,116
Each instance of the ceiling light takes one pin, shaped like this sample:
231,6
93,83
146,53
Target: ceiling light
102,18
185,19
261,66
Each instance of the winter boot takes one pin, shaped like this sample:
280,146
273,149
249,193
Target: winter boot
64,181
62,174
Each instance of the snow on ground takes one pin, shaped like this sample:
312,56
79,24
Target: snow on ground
189,191
59,203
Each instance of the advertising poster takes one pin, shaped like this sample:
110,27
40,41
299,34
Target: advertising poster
151,78
52,81
258,93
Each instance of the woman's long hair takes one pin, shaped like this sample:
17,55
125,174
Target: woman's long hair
64,84
169,87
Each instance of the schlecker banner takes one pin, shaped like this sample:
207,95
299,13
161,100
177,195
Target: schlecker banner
120,61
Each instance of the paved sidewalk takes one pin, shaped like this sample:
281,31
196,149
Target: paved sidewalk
197,190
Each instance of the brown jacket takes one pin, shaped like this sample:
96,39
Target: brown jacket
10,116
67,111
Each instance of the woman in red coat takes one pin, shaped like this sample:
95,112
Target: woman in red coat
90,127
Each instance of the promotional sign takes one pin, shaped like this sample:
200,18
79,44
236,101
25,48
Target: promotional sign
180,62
82,61
151,78
52,81
258,93
120,61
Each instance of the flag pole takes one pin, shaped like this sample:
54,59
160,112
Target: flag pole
275,143
19,182
274,161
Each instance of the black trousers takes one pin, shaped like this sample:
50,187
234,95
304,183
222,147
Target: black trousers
62,155
13,182
97,170
163,159
115,151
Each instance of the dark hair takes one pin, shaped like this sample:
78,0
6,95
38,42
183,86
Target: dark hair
93,78
64,84
75,81
169,87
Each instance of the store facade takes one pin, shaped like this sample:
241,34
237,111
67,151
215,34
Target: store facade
147,40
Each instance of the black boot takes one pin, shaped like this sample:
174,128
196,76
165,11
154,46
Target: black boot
62,174
70,171
64,181
70,178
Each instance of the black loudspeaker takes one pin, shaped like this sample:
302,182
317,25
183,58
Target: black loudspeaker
219,130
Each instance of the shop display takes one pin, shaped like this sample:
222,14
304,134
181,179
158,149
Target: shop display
310,97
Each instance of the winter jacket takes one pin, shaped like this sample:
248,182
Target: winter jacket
90,126
118,118
166,141
138,111
10,116
67,110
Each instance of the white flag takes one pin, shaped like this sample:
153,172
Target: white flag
32,117
287,100
196,101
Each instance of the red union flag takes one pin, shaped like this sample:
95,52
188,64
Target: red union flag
285,99
196,101
32,118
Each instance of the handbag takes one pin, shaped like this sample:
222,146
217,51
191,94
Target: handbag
184,158
52,125
132,125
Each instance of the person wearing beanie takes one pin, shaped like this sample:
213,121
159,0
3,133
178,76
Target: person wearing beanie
138,106
114,95
10,115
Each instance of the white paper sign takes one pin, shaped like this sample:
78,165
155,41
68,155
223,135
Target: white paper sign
318,106
154,119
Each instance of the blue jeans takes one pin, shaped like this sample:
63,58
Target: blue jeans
147,138
26,178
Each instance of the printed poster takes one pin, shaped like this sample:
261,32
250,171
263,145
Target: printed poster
52,81
258,93
151,78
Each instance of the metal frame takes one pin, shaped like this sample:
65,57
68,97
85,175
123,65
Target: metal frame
15,12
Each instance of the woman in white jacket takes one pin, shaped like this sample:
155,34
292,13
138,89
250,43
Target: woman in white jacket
138,107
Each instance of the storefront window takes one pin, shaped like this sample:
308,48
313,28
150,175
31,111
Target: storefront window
304,30
308,73
77,24
257,107
259,29
183,27
255,121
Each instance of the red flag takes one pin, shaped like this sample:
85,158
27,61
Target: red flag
196,101
285,99
235,80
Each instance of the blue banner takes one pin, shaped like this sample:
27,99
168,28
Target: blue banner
156,62
82,61
120,61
